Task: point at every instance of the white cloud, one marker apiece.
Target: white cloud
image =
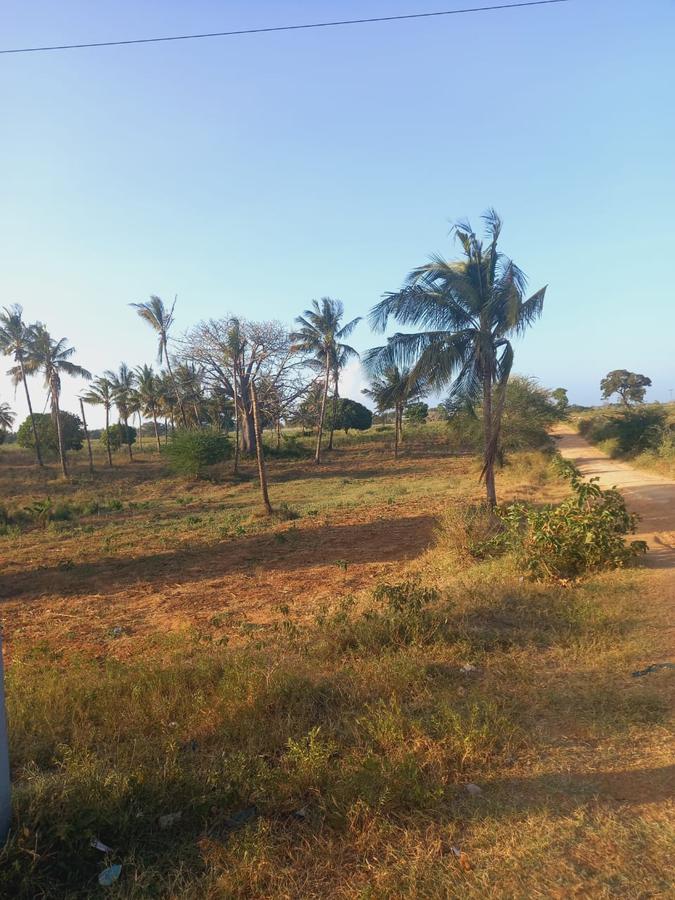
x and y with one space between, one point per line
352 381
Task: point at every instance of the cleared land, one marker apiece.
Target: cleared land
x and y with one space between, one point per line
313 694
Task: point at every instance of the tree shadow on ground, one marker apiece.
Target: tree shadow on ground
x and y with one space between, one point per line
381 540
633 786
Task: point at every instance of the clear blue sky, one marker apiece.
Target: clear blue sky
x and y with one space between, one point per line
252 174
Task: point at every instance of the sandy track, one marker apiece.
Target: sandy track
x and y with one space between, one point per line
650 495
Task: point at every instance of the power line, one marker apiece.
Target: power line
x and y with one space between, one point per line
215 34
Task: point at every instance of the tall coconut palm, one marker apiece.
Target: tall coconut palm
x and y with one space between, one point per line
321 336
469 310
100 393
87 436
136 409
6 417
148 390
235 345
160 319
122 385
14 341
392 388
53 359
341 356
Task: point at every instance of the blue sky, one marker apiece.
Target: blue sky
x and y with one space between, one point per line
252 174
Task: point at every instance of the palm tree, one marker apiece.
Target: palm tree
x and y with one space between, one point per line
167 402
160 319
87 436
100 393
190 390
136 409
148 390
320 335
6 417
53 359
392 388
341 356
122 386
234 347
469 309
14 340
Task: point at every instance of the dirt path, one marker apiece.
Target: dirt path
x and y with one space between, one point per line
650 495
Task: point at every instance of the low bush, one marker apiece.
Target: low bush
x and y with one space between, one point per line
628 432
118 436
71 432
529 413
583 534
470 530
291 447
193 452
398 615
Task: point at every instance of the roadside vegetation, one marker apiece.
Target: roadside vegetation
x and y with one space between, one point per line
642 433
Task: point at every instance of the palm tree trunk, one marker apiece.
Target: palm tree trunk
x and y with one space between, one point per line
38 451
488 442
86 434
175 386
260 454
107 431
128 436
397 414
317 454
59 434
154 422
334 412
166 431
236 421
140 430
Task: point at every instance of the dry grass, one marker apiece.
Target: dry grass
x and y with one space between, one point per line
191 657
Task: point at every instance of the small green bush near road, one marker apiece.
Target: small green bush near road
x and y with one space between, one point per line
628 432
192 452
583 534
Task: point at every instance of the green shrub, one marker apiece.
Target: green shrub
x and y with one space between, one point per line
71 432
470 530
350 414
118 435
628 432
417 412
583 534
192 452
529 413
665 444
399 614
291 447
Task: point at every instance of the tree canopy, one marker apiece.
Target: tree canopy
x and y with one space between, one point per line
630 386
351 414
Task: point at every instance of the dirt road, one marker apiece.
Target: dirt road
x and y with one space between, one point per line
651 496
